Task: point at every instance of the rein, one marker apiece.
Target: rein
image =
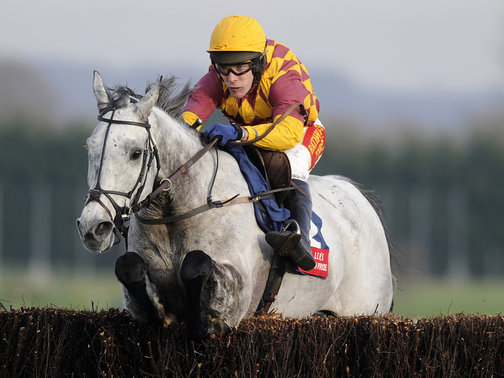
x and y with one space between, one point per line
167 183
122 213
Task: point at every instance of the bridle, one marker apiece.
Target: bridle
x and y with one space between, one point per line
149 153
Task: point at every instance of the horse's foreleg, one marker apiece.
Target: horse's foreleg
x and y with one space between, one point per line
195 272
131 271
214 294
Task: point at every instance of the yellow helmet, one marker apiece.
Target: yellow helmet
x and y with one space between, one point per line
238 34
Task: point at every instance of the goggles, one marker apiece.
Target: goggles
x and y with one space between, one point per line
237 69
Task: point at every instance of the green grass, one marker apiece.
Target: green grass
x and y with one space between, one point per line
63 288
436 297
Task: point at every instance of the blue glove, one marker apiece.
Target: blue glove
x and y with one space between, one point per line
226 132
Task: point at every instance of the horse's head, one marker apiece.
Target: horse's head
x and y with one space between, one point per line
122 163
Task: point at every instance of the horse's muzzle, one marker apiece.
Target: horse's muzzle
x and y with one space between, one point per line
96 233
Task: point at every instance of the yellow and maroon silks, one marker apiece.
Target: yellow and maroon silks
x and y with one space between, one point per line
285 81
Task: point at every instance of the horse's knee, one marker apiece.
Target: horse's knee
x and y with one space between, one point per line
130 269
197 265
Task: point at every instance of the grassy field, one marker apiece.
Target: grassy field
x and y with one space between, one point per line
63 288
436 297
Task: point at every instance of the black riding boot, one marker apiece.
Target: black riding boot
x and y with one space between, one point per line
294 242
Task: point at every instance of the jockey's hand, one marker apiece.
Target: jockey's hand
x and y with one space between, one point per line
227 133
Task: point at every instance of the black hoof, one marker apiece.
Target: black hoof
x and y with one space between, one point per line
324 314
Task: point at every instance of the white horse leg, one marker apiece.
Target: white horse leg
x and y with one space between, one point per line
139 294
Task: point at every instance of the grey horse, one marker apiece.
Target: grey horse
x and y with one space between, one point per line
210 269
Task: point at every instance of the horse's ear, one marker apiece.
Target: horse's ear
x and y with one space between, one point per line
100 91
148 101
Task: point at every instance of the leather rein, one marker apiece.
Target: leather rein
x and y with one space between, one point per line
150 152
166 184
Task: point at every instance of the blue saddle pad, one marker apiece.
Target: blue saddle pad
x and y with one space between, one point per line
269 216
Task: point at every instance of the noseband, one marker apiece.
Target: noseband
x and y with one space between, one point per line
150 152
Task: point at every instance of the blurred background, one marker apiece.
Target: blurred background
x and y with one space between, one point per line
411 95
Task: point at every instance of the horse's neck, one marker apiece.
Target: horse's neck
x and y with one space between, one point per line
176 145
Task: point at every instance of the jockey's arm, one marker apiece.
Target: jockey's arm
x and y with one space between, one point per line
204 99
285 135
286 89
192 120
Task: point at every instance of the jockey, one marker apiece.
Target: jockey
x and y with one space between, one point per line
254 81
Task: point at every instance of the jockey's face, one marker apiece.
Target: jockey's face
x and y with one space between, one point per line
238 85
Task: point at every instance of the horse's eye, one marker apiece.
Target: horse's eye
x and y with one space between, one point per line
136 154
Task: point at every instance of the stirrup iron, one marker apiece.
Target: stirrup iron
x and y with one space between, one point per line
293 226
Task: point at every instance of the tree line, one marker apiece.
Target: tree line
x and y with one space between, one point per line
441 193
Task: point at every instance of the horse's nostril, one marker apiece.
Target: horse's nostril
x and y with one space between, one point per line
103 228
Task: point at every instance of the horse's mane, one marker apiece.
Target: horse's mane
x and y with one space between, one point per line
172 96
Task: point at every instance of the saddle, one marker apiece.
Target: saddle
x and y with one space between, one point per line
275 168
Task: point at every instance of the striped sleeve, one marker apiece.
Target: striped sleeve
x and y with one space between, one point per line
285 135
207 95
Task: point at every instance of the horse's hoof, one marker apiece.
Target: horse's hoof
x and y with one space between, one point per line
217 326
324 314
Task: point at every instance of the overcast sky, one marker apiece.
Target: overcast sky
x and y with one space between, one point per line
400 45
